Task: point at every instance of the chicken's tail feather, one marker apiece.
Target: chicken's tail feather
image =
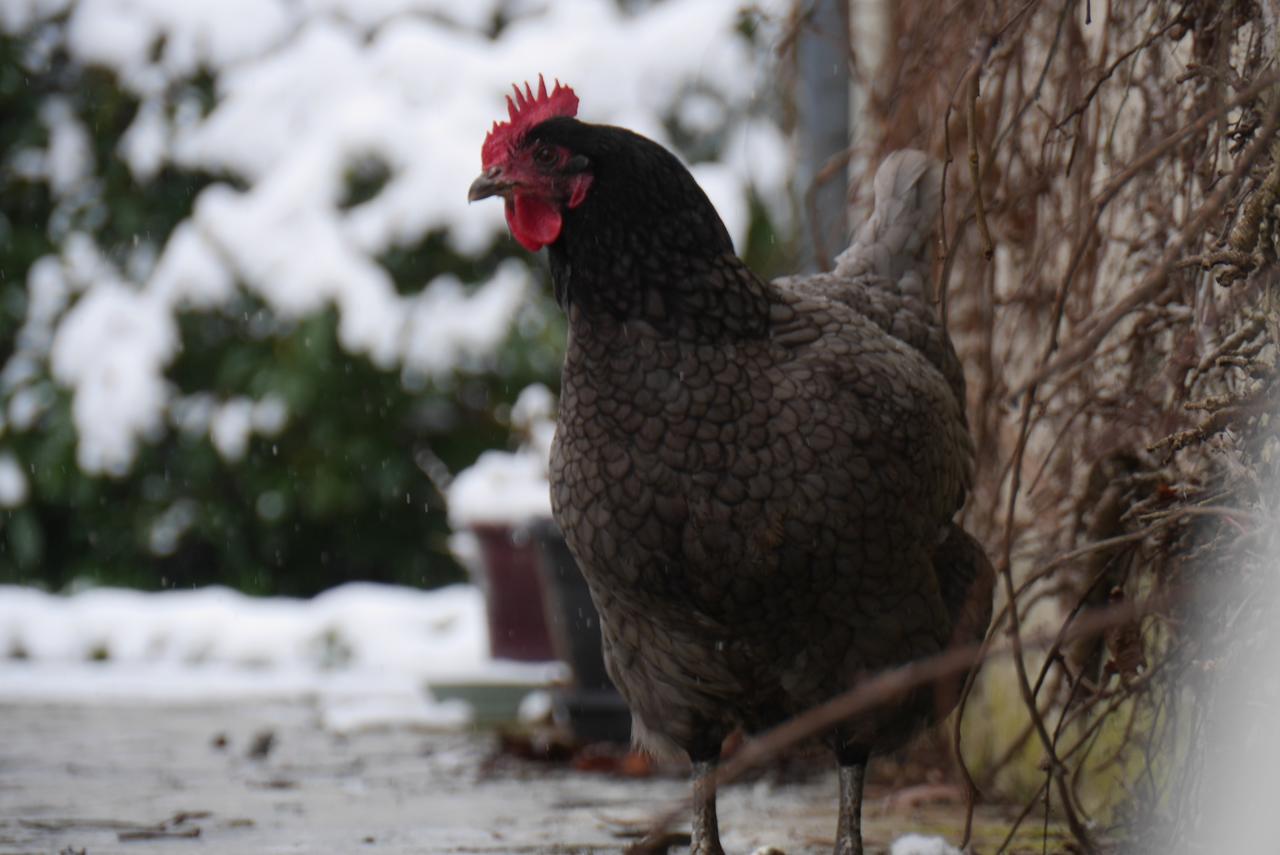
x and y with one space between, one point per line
894 242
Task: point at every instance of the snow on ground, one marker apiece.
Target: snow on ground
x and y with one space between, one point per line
305 94
367 653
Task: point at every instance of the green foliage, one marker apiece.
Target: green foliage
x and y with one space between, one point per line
334 496
25 206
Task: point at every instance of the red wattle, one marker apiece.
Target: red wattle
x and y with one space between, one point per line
533 222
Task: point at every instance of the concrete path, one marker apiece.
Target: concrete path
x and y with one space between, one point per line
131 779
261 777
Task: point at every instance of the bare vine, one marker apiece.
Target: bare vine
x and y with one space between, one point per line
1108 273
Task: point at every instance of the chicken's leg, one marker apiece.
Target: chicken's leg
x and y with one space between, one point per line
853 769
706 831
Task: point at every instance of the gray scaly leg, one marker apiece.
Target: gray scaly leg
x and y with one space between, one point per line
706 831
853 771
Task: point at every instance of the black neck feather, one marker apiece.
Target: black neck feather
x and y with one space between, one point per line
646 243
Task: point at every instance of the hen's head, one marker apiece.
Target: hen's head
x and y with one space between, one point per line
538 179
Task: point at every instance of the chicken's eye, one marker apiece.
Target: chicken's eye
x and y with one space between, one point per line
544 155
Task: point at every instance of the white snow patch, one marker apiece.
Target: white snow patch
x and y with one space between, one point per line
534 405
269 415
536 707
191 414
111 349
111 35
168 527
47 295
702 114
473 14
145 145
291 104
69 158
367 653
122 34
725 192
190 273
509 488
758 150
393 706
13 482
28 404
534 416
230 427
19 15
919 844
500 487
446 324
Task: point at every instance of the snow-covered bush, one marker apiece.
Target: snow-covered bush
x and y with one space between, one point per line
245 312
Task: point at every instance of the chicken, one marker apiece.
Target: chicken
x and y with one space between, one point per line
757 479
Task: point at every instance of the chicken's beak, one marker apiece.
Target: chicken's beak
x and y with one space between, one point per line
490 183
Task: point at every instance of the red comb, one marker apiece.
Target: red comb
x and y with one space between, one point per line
526 111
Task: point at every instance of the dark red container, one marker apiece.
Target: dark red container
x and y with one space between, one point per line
513 594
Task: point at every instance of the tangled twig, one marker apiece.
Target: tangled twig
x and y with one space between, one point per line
1125 179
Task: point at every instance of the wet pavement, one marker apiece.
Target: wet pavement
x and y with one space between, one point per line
266 777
